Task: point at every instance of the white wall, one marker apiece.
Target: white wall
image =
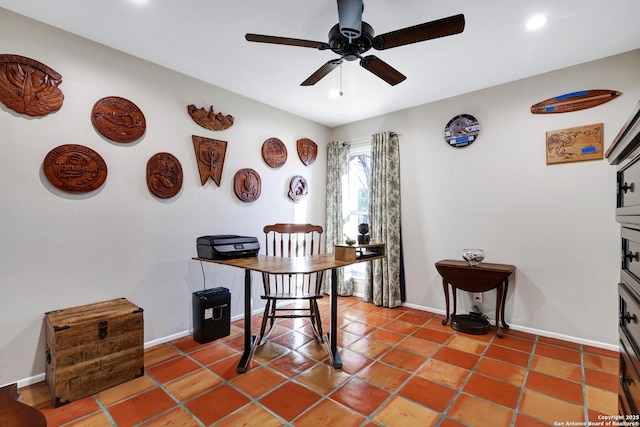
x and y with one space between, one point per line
555 223
60 250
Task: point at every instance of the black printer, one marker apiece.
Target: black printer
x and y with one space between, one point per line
227 246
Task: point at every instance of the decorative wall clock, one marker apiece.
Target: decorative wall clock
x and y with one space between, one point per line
274 152
209 119
247 185
462 130
210 157
75 168
298 188
307 150
164 175
28 86
118 119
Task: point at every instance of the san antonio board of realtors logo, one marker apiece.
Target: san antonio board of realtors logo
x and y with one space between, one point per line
75 168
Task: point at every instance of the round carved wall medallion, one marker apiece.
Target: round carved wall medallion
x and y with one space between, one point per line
75 168
274 152
247 185
298 188
118 119
164 175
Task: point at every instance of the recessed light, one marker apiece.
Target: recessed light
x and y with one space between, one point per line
139 2
536 22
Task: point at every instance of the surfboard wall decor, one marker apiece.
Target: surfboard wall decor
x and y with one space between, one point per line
574 101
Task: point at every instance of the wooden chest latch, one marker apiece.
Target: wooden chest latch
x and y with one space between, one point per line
103 329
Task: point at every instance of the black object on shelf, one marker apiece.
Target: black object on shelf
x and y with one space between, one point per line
211 314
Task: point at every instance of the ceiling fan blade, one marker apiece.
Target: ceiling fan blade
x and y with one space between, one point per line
383 70
321 72
285 41
418 33
350 18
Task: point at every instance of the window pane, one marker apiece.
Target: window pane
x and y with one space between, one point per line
358 192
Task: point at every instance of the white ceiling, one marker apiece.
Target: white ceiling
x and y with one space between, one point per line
205 39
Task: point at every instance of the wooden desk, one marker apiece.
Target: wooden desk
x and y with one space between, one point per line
287 265
479 278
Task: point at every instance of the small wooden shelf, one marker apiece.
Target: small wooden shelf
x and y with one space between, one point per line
358 253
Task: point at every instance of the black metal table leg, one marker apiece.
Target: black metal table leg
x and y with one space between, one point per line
249 338
333 334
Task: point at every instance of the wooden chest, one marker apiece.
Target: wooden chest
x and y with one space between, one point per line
93 347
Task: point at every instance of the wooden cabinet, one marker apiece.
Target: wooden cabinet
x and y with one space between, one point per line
624 153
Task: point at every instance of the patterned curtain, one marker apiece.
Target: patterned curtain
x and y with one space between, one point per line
337 174
384 282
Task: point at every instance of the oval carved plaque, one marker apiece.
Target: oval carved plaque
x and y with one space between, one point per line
274 152
118 119
164 175
75 168
247 185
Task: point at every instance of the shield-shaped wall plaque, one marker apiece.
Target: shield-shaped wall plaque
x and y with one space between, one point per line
307 150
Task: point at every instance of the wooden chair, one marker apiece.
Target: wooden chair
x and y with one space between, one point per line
291 240
14 413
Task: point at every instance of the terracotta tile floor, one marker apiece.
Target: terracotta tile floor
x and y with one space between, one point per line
402 367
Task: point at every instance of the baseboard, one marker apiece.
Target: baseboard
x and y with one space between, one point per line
534 331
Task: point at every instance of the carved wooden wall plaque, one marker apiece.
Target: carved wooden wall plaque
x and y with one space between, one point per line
575 144
307 150
75 168
274 152
28 86
247 185
164 175
118 119
210 157
298 188
209 119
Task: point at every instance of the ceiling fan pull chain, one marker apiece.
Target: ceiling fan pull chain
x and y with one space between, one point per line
341 79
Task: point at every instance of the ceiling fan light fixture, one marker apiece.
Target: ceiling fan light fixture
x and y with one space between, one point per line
536 22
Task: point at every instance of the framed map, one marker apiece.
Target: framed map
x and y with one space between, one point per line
575 144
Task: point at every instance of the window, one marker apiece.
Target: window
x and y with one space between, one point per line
357 199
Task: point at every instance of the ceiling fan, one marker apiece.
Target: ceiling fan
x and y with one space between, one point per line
352 37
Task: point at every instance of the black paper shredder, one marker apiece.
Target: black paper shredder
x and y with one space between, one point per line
211 314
